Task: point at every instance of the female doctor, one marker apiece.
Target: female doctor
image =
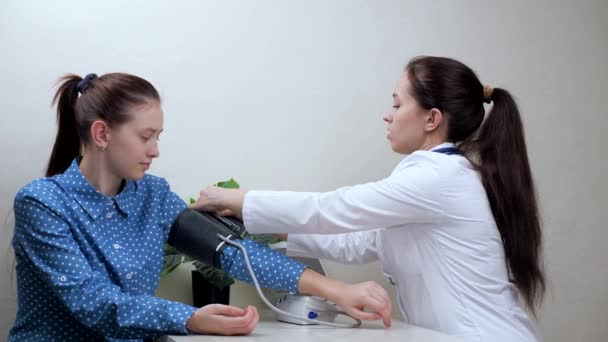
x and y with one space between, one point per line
455 225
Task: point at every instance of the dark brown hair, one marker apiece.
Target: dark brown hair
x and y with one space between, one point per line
497 148
106 98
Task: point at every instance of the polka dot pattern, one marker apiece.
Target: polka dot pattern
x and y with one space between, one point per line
88 265
272 269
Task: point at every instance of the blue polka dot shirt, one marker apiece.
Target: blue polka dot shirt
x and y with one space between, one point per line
88 265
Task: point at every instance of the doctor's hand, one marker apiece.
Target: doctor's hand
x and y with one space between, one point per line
220 200
221 319
354 298
351 298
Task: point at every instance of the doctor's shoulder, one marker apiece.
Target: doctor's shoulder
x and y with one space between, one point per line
420 169
429 172
444 165
421 160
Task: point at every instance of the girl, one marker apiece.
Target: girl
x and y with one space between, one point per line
89 236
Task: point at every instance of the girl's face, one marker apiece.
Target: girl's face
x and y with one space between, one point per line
406 120
132 146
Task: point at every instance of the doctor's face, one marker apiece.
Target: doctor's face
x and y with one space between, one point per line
405 120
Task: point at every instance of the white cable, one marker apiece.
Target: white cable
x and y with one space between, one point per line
274 308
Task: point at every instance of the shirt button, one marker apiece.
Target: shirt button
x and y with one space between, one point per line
110 202
116 246
129 275
109 215
62 278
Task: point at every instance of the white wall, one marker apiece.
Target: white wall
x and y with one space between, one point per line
289 95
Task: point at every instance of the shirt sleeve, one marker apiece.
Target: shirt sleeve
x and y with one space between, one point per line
44 239
409 196
171 205
272 269
351 248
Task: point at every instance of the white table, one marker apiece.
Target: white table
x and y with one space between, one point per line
271 330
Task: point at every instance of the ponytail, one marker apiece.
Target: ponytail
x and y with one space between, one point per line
108 98
67 142
497 148
507 179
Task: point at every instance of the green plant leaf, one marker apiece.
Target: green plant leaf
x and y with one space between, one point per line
172 259
168 269
264 239
170 263
215 276
229 184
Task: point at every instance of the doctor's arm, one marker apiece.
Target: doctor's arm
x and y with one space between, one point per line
277 271
350 248
408 196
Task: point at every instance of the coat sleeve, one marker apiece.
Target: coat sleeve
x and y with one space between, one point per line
351 248
408 196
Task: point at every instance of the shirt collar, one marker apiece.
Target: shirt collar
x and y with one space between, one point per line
406 158
443 145
91 200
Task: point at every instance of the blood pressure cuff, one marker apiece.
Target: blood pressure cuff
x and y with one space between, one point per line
195 234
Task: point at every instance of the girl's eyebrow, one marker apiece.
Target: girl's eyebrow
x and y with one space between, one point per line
154 130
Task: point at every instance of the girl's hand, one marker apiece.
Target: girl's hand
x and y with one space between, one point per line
221 319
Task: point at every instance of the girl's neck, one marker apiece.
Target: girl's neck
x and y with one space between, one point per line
95 169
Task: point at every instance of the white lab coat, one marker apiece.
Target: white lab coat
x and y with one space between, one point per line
430 225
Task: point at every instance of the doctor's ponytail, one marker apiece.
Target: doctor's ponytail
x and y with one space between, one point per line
497 148
502 155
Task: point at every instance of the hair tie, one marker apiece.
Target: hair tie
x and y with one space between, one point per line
487 93
84 83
